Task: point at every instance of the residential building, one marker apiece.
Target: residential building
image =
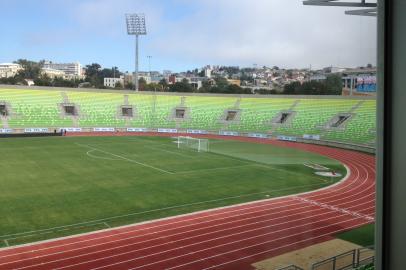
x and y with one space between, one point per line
234 81
167 73
208 72
8 70
112 82
53 73
70 69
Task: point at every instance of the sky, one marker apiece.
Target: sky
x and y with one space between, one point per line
186 34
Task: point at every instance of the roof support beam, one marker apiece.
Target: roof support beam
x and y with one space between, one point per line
337 3
363 12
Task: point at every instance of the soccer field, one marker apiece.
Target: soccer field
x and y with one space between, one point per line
58 186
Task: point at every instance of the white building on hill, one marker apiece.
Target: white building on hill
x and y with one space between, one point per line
70 69
112 82
53 73
8 70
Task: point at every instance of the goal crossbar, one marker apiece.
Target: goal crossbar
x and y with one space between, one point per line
187 142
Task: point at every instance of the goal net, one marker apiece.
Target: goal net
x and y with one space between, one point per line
200 145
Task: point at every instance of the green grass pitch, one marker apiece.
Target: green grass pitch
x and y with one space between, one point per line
363 236
58 186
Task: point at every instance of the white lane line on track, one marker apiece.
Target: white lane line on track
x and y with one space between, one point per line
179 227
187 238
182 239
334 208
360 186
127 159
165 236
233 242
338 190
274 249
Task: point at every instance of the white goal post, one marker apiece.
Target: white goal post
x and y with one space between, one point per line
185 142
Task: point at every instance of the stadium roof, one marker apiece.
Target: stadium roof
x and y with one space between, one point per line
369 8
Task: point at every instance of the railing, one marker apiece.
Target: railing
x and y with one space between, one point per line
343 261
365 256
347 260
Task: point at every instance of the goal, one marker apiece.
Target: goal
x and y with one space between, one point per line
201 145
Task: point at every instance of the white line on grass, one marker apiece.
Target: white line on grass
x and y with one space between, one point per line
97 221
93 156
57 229
127 159
215 169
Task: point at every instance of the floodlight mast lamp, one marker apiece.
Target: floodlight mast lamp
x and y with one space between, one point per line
136 26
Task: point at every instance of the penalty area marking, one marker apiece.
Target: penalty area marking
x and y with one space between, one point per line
215 169
124 158
94 156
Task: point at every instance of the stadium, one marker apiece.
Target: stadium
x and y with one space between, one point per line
99 179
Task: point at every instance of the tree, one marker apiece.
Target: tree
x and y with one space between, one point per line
292 88
246 77
92 70
43 80
118 85
201 73
129 85
182 86
153 87
141 84
205 88
334 84
30 69
93 75
109 73
331 86
221 82
164 84
235 89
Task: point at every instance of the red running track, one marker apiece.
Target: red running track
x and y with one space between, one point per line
225 238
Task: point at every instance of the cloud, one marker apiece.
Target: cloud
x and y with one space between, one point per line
106 17
266 32
184 34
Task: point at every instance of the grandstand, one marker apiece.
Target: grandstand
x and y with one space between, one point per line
310 116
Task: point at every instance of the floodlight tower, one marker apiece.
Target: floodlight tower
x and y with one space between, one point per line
136 26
